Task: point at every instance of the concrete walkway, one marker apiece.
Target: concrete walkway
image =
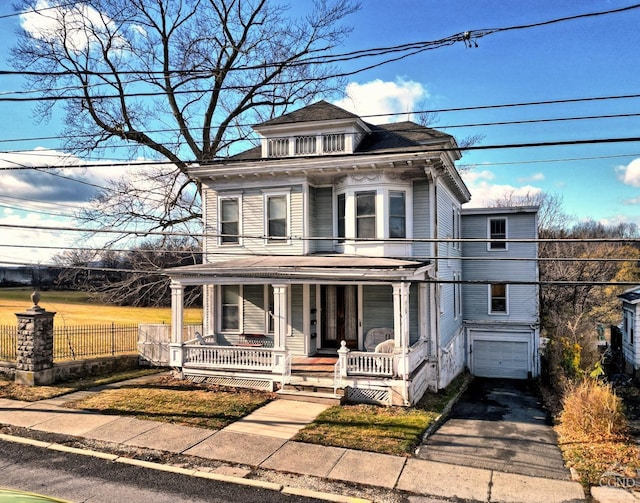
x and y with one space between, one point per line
262 440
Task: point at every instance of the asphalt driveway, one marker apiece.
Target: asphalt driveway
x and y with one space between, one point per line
498 424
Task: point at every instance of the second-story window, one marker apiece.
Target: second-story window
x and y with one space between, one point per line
397 215
497 228
498 298
277 217
229 220
305 145
366 214
342 208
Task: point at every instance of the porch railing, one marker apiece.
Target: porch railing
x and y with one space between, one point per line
228 357
371 364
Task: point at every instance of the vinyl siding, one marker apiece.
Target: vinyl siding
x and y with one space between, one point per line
377 304
448 264
252 226
421 218
295 340
523 299
253 309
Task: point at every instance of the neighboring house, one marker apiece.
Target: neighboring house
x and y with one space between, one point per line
500 294
630 323
342 238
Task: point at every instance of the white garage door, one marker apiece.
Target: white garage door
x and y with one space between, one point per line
507 359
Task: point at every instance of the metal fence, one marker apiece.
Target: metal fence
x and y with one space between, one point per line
78 341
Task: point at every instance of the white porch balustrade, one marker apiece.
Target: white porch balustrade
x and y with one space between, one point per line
370 364
230 357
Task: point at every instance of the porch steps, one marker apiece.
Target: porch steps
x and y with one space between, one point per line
310 394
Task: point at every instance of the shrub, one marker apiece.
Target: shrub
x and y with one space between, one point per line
593 431
592 411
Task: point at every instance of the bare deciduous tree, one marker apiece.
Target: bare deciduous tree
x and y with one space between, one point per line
175 80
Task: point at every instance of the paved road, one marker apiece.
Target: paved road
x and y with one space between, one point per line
498 425
80 478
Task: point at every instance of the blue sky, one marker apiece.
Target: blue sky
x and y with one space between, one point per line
583 58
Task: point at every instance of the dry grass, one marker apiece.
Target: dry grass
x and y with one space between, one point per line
174 401
387 430
77 308
592 432
13 391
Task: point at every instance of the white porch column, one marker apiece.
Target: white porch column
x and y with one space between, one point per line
280 314
209 310
401 315
177 322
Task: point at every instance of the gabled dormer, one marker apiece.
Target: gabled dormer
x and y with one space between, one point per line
318 129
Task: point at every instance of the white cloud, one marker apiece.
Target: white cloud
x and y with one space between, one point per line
380 97
630 174
536 177
484 192
632 201
83 25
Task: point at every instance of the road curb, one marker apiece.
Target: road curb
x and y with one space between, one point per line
271 486
437 422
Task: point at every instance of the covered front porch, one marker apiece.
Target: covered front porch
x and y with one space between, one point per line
266 318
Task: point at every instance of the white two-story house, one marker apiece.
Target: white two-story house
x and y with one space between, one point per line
341 239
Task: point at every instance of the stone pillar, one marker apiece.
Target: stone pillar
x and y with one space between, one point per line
34 365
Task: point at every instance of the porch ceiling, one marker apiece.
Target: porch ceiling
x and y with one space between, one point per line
310 268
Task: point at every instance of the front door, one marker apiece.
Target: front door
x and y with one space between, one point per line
339 316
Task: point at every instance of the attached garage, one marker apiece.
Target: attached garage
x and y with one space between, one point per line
504 355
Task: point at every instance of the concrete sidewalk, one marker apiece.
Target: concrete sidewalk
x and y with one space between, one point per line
262 440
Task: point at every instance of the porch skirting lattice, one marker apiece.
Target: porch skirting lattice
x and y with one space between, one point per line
376 396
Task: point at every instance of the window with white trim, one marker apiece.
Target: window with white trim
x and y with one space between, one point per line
455 217
497 229
397 214
230 308
366 214
276 217
341 210
498 298
457 294
229 220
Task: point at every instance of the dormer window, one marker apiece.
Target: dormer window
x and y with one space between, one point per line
333 143
278 147
305 145
310 144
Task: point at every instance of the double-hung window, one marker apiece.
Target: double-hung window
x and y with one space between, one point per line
277 217
498 298
230 306
229 220
497 230
366 214
397 215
